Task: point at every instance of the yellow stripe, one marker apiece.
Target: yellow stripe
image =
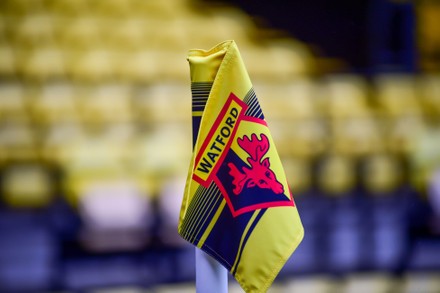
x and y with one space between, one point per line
249 224
197 113
211 224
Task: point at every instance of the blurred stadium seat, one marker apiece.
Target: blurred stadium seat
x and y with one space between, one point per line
116 216
28 250
95 272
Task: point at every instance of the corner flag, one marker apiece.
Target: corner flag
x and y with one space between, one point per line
237 205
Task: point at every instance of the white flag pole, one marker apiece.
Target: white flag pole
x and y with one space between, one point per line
211 276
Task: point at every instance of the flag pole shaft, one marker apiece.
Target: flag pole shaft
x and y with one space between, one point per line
211 276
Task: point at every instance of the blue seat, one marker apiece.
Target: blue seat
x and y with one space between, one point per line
100 271
425 255
347 227
397 218
390 233
308 257
28 252
305 259
168 265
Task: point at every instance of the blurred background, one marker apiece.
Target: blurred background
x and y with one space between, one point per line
95 139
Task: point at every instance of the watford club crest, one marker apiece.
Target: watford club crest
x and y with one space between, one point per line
241 160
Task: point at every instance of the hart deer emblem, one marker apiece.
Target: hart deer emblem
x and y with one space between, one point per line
259 173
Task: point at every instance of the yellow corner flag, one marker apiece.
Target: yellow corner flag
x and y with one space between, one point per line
237 205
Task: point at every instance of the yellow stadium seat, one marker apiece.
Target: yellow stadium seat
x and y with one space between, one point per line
204 30
166 102
173 36
396 94
280 61
156 155
128 35
288 59
12 102
301 99
282 136
4 30
344 96
20 7
34 31
309 138
402 133
44 64
55 103
424 157
275 100
8 57
18 142
93 66
106 103
96 158
336 175
298 173
113 8
171 66
139 67
163 9
357 136
67 7
381 174
36 192
289 100
84 32
429 87
57 140
428 35
231 23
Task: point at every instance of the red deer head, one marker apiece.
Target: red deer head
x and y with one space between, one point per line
259 174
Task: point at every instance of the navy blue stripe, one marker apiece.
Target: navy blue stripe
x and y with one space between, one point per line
192 208
200 93
248 234
253 103
254 109
201 206
207 206
196 125
208 218
248 95
224 240
204 207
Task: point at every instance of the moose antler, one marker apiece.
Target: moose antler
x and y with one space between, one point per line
255 147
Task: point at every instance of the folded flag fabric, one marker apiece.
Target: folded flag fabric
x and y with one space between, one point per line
237 205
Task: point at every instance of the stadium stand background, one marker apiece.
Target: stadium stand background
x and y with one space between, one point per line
95 139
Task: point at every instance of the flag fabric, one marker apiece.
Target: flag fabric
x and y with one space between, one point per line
237 205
